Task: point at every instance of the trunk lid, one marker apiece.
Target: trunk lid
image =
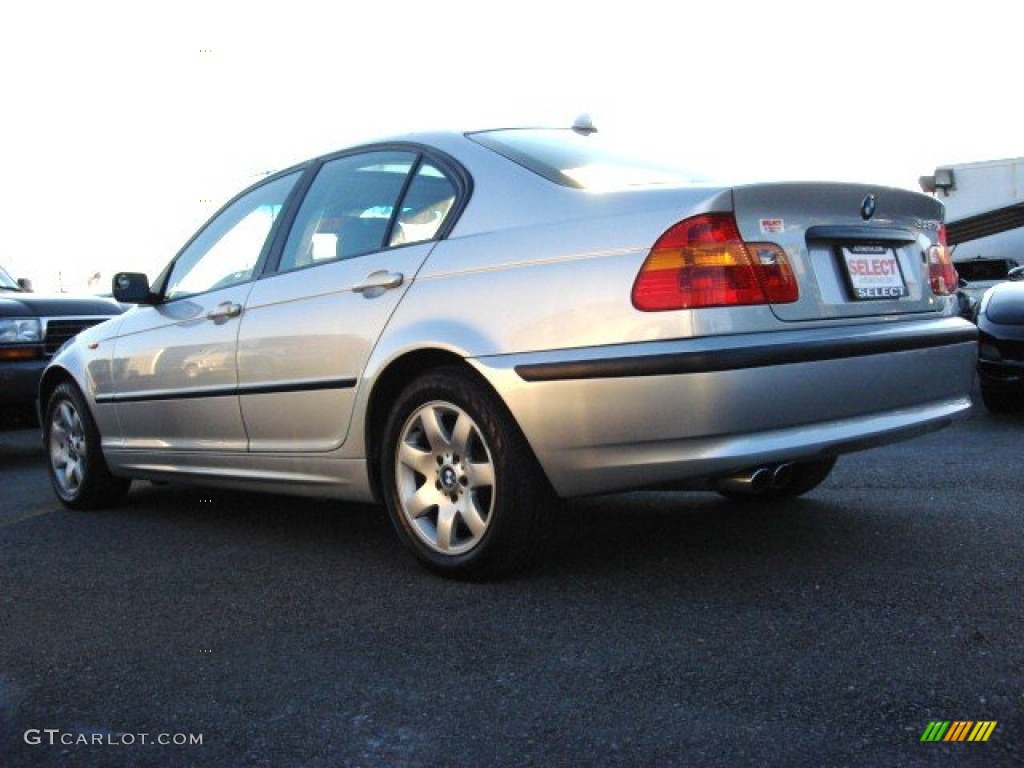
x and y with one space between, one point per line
857 250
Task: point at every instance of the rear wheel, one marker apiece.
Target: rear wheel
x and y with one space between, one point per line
462 487
78 471
799 478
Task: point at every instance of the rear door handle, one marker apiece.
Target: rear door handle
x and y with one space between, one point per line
224 312
377 282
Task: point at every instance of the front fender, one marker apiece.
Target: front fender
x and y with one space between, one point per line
87 360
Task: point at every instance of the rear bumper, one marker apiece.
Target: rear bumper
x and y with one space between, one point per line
630 416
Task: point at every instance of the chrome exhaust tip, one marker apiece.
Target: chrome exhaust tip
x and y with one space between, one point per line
782 475
751 482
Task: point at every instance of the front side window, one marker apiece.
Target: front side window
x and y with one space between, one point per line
348 209
226 252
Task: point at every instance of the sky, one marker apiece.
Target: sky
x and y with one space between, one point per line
125 125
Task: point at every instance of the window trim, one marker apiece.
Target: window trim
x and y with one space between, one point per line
276 254
452 169
270 257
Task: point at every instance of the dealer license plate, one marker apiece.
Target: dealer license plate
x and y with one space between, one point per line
874 272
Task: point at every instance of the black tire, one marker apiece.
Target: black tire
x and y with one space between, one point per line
78 472
1000 401
805 476
462 487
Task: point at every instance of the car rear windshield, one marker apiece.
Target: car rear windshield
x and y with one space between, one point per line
580 160
982 269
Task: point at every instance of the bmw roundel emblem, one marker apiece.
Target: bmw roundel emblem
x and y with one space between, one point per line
867 207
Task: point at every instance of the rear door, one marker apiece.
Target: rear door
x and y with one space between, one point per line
858 251
360 236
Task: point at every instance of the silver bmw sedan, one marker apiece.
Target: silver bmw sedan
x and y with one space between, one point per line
469 326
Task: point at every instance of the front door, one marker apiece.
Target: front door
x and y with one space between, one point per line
175 373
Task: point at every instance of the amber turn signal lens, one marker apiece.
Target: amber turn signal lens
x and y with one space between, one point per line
19 353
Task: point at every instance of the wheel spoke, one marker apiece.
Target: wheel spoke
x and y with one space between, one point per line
446 519
472 518
421 501
58 432
76 424
415 459
433 429
58 448
480 475
63 417
461 434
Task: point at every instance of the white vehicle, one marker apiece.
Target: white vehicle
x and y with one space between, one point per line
984 219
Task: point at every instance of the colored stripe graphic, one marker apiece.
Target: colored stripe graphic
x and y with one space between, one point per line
959 730
982 730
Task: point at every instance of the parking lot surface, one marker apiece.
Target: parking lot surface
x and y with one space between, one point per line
658 629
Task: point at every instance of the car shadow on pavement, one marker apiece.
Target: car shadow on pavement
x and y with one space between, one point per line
258 525
697 532
680 532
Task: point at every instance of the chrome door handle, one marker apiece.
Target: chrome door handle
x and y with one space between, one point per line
380 280
224 311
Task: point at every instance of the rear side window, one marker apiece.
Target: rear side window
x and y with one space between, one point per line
348 209
425 206
582 161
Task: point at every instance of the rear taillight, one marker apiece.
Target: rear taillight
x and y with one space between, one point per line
703 262
941 271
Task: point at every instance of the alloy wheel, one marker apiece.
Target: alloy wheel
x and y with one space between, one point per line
445 478
68 448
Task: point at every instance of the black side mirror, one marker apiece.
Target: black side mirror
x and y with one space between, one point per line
25 284
961 283
132 288
1017 273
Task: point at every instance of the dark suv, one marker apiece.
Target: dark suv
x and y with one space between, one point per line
32 328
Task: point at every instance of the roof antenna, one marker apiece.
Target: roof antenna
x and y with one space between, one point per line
584 125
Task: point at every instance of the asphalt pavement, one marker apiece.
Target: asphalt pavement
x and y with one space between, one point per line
191 627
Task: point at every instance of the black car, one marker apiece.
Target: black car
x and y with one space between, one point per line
32 328
979 274
1000 321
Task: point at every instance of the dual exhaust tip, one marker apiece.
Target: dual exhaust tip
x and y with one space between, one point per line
755 481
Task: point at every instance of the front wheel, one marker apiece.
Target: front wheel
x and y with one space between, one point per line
462 487
78 471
